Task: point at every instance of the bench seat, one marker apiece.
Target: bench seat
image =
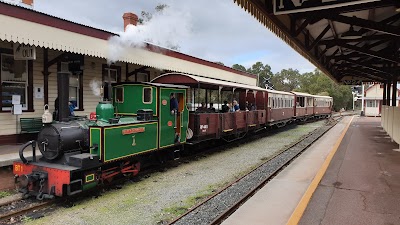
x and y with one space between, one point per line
30 125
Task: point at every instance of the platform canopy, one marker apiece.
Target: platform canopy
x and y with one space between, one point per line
201 82
352 41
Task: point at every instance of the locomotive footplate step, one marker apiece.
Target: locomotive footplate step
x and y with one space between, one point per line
84 160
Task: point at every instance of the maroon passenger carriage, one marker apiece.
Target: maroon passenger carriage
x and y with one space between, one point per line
304 107
322 106
259 108
312 106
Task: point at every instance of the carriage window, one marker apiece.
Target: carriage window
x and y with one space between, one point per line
147 95
119 94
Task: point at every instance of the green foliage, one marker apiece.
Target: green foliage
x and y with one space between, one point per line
147 16
317 83
263 72
286 80
182 207
239 67
4 194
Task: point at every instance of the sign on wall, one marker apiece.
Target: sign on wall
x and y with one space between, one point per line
294 6
24 52
39 92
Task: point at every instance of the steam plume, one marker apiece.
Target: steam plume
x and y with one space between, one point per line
95 86
166 28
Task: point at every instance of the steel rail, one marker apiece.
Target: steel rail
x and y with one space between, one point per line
23 211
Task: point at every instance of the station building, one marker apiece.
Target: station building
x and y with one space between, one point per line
373 99
35 46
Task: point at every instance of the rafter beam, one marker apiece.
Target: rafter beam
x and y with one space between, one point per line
369 66
320 36
372 78
356 40
361 73
371 25
371 53
350 8
367 73
301 28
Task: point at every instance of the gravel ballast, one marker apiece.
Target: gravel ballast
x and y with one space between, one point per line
165 195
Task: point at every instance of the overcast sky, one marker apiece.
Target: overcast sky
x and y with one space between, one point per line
219 30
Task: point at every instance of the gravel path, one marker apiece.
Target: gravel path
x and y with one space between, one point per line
165 195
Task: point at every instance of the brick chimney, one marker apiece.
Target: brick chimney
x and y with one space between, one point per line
28 2
130 18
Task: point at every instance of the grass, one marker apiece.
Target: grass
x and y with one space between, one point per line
182 207
26 219
4 194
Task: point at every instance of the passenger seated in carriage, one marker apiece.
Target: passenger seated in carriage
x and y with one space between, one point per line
225 107
235 106
211 109
202 108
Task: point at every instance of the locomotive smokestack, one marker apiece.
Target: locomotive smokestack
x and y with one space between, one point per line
130 18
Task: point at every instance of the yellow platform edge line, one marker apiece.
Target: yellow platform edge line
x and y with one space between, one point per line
301 207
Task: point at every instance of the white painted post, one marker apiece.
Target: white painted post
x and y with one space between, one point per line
362 99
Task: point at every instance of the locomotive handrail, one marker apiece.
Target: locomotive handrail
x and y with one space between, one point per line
22 148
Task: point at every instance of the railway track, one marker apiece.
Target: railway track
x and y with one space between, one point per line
219 206
26 208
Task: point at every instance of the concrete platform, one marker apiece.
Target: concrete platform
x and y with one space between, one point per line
362 184
9 154
275 203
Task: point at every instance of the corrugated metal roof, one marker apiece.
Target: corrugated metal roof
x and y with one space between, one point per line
205 80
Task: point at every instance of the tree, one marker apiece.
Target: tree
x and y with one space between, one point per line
147 16
263 72
317 83
220 63
286 80
239 67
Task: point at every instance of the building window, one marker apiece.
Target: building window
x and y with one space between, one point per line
142 77
371 104
75 85
14 81
111 75
74 90
119 94
147 96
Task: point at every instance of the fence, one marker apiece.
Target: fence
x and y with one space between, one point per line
391 122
